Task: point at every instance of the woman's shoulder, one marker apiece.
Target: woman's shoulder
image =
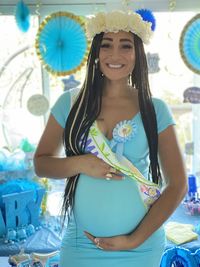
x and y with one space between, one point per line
160 104
163 113
63 104
68 97
158 101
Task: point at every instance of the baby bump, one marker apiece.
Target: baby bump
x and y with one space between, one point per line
106 208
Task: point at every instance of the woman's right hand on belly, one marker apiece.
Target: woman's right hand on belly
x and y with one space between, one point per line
93 166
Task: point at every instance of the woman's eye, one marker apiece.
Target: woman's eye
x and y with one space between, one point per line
105 45
127 46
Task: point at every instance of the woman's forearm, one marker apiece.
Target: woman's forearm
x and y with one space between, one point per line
57 168
158 213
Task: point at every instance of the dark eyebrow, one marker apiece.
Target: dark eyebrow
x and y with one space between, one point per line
121 40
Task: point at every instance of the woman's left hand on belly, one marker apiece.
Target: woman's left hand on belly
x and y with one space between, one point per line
121 242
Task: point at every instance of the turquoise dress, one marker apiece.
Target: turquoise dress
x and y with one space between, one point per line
108 208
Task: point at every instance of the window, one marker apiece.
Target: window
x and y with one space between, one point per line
20 78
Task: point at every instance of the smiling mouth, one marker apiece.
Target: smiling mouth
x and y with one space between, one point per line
115 66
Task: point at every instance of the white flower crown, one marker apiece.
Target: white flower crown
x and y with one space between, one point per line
115 21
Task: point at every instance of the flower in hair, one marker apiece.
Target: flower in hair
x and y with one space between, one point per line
142 23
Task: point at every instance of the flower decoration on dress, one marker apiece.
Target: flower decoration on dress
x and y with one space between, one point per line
124 131
151 192
141 22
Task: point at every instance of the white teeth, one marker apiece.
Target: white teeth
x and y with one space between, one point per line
115 66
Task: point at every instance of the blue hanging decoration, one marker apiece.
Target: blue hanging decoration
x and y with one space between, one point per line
22 16
147 15
61 43
189 44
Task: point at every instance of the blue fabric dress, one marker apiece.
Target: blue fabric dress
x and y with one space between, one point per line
108 208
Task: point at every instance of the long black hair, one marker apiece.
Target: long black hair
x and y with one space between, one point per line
87 107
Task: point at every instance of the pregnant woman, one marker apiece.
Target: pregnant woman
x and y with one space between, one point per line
124 169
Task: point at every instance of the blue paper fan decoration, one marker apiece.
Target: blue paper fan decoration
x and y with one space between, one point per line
190 44
22 16
61 43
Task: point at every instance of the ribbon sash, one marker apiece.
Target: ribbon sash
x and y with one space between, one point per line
149 191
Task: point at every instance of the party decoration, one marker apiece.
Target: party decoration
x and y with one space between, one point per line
38 105
20 202
35 259
12 161
189 44
192 206
22 208
197 256
192 94
153 62
189 148
2 225
61 43
180 233
192 200
20 260
18 164
46 260
172 5
147 15
22 16
70 83
178 256
124 131
192 185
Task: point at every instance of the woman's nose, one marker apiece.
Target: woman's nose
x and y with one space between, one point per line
115 52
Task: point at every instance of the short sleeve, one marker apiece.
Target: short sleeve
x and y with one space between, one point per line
163 114
60 110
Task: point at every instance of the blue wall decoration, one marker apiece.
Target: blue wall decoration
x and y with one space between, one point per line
192 94
189 44
22 16
61 43
153 62
70 83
